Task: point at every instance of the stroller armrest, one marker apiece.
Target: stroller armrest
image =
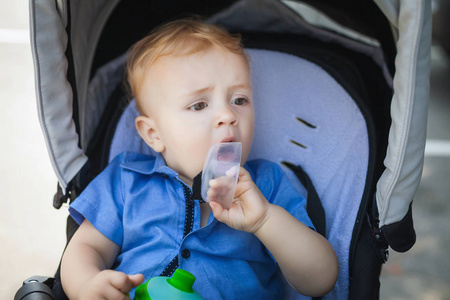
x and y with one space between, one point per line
36 288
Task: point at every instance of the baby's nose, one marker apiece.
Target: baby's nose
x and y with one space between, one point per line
226 116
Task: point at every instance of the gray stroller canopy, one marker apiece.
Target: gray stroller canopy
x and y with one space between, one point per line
411 27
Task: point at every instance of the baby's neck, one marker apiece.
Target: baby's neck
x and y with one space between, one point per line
205 211
186 180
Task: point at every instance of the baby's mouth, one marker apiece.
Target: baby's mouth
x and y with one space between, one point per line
228 140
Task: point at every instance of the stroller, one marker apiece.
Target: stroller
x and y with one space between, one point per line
350 80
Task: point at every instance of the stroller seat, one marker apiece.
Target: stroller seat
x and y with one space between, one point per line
305 117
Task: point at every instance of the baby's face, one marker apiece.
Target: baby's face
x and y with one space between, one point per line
196 101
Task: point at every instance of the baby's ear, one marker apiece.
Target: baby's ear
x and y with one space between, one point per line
149 133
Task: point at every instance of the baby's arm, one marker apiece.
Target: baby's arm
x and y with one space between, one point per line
84 267
306 259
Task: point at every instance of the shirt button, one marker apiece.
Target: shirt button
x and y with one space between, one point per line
185 253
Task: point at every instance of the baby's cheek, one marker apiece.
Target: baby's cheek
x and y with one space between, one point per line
194 165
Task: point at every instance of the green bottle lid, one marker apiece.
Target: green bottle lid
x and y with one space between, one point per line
182 280
178 287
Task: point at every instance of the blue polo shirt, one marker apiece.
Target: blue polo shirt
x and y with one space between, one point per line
140 204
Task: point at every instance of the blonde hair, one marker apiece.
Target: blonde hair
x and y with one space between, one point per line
177 38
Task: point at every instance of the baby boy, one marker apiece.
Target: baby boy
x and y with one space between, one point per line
192 86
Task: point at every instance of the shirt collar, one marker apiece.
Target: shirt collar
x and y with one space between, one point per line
149 166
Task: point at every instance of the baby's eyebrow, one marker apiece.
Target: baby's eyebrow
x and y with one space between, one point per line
198 91
241 86
210 88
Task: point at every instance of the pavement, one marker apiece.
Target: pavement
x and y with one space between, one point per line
32 233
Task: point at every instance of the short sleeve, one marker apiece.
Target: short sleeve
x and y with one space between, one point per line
101 203
276 187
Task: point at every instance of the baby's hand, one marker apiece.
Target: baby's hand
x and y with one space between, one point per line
249 208
109 284
221 191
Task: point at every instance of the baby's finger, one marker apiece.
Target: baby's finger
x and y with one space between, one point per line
244 174
211 194
232 171
121 281
112 293
219 213
219 191
136 279
213 182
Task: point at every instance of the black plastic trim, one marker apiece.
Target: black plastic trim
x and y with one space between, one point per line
401 235
35 288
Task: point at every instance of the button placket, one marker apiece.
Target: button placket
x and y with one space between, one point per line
188 226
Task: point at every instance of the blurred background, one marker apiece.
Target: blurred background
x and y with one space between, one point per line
32 232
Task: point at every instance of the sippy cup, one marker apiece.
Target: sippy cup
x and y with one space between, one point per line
177 287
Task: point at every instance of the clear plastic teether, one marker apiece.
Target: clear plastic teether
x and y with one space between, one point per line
222 164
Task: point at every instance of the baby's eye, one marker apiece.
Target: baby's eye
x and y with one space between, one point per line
239 101
198 106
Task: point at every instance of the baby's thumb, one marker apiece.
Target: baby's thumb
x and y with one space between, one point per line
219 213
136 279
